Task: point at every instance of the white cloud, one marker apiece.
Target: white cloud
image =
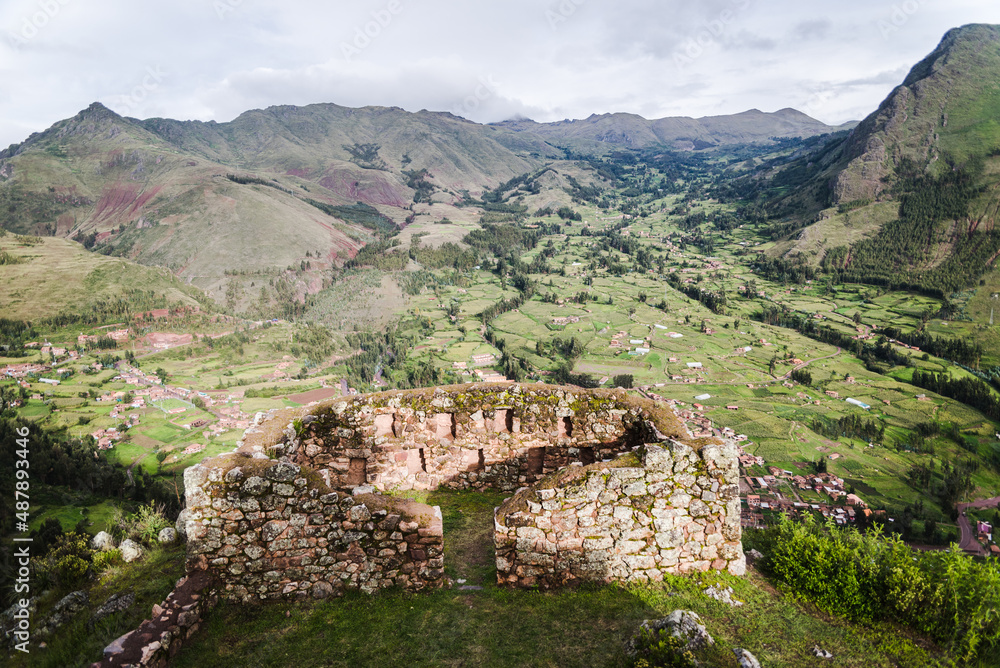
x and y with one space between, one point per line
545 59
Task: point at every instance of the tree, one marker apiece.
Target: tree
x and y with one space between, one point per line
624 380
162 374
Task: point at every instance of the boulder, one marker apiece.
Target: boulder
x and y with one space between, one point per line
753 556
115 603
682 624
181 524
745 658
130 550
167 536
102 542
64 610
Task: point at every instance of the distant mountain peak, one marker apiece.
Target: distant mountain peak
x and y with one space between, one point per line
97 111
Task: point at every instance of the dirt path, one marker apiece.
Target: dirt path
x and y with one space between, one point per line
967 537
128 471
808 362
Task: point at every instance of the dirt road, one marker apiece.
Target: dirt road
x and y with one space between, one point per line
967 537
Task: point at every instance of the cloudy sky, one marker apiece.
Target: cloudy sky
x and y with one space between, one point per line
486 60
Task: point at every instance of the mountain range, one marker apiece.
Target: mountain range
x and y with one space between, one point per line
288 187
207 199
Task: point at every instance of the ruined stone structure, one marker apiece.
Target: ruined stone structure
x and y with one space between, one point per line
501 436
268 529
667 508
291 513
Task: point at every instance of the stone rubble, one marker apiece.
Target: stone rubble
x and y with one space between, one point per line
723 595
160 638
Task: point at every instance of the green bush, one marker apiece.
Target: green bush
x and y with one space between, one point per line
66 564
870 577
143 525
107 559
661 650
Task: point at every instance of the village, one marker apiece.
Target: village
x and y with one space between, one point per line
142 391
777 491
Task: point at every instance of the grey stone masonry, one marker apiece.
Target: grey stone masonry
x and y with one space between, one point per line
267 529
666 508
500 436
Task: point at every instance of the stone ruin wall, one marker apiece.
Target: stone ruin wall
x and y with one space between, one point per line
288 514
667 508
476 436
268 529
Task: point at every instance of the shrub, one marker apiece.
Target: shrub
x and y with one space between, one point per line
66 564
661 650
143 525
107 559
871 577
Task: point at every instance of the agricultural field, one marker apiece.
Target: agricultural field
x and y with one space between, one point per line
645 291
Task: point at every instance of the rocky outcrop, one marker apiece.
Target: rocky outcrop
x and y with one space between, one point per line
684 625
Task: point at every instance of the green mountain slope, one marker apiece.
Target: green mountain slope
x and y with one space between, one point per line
909 198
284 194
947 108
41 277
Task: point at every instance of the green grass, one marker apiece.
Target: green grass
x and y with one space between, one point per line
78 644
